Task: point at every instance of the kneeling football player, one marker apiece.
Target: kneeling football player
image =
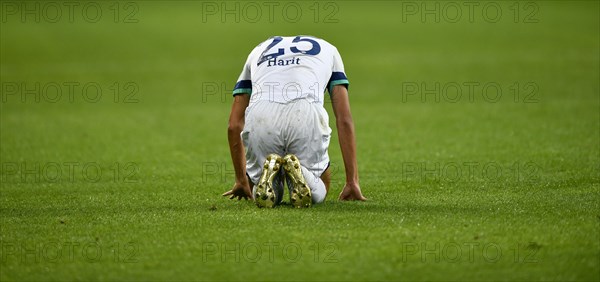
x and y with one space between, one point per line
278 128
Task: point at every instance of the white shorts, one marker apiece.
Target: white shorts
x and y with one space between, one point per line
298 127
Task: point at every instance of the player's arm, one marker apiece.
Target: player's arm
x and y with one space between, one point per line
345 128
241 188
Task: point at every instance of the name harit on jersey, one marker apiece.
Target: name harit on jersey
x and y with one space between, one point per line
280 62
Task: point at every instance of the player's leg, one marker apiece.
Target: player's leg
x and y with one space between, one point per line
309 140
304 186
262 137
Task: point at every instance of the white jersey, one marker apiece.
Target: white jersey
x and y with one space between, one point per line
284 69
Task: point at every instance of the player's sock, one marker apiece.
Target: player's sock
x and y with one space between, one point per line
317 187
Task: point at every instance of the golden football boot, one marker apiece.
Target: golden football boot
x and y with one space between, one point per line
300 195
264 195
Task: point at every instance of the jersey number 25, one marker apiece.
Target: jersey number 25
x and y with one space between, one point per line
316 49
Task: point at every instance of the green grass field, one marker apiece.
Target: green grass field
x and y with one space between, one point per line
478 143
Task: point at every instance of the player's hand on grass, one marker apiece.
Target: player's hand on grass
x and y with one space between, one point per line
351 192
240 191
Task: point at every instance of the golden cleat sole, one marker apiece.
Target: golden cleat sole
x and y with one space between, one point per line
301 196
264 196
